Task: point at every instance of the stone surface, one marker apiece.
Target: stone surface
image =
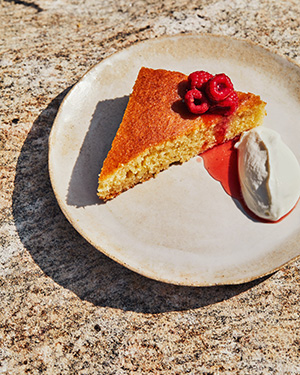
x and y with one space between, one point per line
64 307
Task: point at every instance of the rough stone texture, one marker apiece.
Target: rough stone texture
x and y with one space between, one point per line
64 307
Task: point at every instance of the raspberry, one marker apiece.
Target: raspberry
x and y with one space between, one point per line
219 87
227 106
196 101
198 79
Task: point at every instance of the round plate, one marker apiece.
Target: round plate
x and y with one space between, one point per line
180 227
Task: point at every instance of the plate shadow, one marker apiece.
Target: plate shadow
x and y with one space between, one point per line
69 260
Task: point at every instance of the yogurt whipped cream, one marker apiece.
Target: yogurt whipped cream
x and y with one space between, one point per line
269 173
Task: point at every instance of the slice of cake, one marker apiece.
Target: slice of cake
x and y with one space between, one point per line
158 129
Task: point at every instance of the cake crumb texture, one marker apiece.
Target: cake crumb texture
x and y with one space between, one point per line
157 130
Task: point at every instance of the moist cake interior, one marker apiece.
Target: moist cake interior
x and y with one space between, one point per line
157 130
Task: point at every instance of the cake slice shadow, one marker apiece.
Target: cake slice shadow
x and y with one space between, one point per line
82 190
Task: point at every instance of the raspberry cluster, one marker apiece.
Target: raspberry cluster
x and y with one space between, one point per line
212 94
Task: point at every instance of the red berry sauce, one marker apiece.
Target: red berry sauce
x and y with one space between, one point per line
221 163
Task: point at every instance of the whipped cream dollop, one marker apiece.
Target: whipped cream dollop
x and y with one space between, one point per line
269 173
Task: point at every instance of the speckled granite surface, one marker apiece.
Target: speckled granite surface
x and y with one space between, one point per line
64 307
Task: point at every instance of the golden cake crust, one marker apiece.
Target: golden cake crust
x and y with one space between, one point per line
156 115
158 94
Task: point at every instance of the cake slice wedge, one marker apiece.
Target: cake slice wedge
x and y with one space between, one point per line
157 130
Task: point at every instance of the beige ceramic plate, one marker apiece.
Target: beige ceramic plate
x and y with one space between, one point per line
180 227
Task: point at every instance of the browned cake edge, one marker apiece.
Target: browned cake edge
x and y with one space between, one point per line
153 159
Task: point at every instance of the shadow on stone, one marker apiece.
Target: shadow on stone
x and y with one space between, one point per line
30 4
67 258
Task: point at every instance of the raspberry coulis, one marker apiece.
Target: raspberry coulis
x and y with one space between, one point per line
221 162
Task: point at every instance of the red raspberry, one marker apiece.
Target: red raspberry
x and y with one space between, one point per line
198 79
196 102
227 106
219 87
